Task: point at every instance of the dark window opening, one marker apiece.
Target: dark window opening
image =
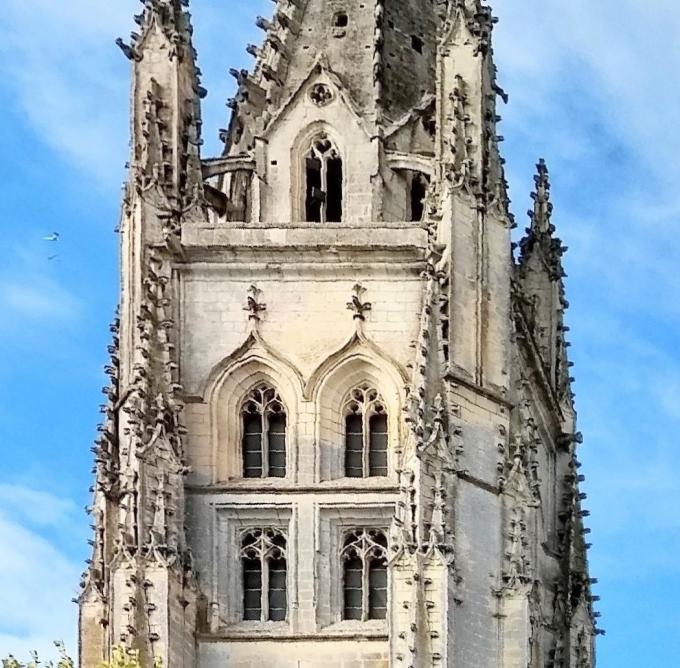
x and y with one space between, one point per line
354 446
277 446
334 199
252 445
417 43
377 454
252 590
366 434
315 195
263 414
278 595
419 185
265 575
377 590
354 590
324 183
365 575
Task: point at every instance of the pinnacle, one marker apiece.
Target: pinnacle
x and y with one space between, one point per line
543 208
168 15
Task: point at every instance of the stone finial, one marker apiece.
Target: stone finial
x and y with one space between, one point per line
255 306
543 208
358 305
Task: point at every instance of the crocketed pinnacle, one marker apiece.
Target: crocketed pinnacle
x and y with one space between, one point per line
543 208
540 233
168 15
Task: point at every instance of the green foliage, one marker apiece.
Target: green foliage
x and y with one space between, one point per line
65 661
121 657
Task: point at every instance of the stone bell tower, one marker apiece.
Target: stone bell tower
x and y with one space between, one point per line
339 430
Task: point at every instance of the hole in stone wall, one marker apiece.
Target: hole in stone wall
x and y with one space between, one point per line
419 185
340 20
417 43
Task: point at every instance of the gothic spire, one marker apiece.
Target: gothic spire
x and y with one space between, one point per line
166 107
540 234
541 275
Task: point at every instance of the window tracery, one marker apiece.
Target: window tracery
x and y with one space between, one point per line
323 182
265 573
366 434
364 555
264 434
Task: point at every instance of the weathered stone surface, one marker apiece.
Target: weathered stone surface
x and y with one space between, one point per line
348 256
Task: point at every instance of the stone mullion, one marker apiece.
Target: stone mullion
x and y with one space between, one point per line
365 451
264 615
264 443
365 584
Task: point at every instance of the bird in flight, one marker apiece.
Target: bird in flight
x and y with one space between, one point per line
52 237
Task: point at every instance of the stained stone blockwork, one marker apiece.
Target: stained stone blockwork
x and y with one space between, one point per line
339 431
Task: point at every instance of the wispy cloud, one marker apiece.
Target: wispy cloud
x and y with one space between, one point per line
41 299
70 82
31 292
37 579
60 64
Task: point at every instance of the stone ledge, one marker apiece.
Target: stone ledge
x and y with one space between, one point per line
305 235
334 487
258 635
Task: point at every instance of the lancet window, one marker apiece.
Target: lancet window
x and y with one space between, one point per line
265 574
264 434
364 555
323 182
419 186
366 434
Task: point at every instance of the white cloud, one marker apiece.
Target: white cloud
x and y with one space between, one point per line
37 299
37 507
37 579
32 290
60 60
70 82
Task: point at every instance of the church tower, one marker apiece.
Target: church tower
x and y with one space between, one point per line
339 431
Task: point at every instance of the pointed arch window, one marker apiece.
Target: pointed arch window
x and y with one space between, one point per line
364 555
366 434
419 185
264 434
265 575
323 182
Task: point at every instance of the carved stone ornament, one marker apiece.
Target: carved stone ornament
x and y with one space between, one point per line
358 305
321 95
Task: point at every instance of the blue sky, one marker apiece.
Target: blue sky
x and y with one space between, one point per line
593 89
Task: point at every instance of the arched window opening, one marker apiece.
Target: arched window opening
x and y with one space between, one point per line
364 554
265 575
366 434
324 182
419 185
264 434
